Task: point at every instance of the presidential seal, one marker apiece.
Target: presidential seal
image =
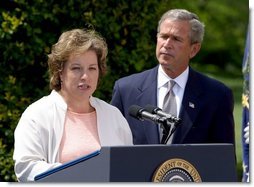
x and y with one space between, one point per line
176 170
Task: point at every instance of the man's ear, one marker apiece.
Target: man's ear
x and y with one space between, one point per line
194 49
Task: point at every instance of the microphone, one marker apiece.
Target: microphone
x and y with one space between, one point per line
172 119
158 111
141 114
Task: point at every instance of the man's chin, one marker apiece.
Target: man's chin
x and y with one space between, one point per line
166 64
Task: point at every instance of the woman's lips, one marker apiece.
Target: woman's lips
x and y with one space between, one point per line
83 86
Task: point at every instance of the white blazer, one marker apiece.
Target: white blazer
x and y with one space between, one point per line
40 128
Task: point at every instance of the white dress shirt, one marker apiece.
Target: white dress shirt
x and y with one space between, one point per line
178 89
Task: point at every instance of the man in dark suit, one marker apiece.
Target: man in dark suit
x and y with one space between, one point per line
204 105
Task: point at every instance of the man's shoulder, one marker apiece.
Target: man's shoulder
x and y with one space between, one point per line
209 81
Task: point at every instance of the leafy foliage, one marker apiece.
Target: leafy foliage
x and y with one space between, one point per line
30 27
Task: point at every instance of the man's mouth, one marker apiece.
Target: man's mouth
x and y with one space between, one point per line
167 54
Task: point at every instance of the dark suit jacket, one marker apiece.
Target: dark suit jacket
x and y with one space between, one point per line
206 111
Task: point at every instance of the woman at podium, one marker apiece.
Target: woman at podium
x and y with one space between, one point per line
69 122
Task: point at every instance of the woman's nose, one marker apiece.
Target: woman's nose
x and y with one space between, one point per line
84 75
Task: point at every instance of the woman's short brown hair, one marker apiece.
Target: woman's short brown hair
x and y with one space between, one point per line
76 41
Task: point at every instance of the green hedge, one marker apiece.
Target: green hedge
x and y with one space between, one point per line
29 28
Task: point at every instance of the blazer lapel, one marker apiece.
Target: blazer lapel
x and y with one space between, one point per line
148 89
190 106
148 95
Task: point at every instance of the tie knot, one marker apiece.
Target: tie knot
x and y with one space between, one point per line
171 84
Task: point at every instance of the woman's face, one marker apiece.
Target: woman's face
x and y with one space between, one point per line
80 76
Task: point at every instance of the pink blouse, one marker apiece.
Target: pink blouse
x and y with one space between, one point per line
80 136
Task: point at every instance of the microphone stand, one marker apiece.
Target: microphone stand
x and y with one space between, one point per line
166 126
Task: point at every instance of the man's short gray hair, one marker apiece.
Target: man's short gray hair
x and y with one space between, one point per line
197 27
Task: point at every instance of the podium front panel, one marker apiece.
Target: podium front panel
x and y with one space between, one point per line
146 163
214 163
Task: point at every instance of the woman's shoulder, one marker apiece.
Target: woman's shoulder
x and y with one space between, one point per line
45 103
97 102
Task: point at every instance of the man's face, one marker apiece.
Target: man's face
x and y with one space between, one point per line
174 48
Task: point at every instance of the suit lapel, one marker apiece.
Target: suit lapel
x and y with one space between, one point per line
190 106
148 95
148 89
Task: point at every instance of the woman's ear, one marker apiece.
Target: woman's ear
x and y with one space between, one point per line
61 72
61 76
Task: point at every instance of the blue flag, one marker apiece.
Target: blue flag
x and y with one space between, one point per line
245 112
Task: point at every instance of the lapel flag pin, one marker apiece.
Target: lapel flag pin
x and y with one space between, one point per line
191 105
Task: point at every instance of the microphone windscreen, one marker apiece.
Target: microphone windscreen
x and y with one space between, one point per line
150 108
134 111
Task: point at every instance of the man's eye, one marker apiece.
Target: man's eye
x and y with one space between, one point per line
177 38
164 37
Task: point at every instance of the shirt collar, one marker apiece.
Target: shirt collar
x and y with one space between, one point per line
181 80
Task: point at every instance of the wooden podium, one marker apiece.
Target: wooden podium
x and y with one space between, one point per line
150 163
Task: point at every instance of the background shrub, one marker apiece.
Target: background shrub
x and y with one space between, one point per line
29 28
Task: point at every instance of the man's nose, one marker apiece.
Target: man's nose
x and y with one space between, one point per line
168 42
